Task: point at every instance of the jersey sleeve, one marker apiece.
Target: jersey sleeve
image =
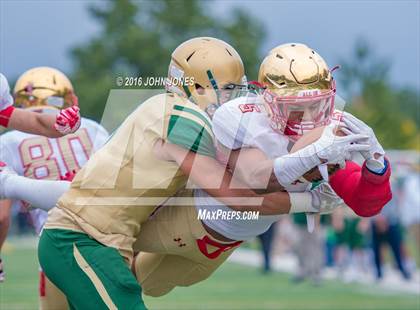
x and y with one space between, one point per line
98 133
101 137
228 126
191 129
364 192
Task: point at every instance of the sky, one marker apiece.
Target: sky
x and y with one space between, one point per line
35 33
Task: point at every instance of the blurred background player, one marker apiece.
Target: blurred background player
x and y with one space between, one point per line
46 91
266 244
351 234
64 122
308 250
387 228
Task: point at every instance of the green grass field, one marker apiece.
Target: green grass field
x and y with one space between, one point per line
232 287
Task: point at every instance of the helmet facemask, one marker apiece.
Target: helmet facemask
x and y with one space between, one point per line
213 98
27 98
299 89
294 116
44 88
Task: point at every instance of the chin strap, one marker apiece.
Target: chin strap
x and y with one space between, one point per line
214 85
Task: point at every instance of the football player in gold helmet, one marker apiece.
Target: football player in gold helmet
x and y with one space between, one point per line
299 89
65 122
46 91
188 250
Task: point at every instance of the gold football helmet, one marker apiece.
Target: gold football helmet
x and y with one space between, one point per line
299 89
202 68
44 87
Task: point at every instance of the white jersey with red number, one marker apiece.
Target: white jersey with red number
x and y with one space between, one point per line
39 157
244 122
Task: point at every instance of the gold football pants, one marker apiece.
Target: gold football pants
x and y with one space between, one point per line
176 250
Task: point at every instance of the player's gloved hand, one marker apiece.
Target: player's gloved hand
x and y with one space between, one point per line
334 149
324 198
375 155
2 273
321 199
329 148
69 176
5 173
68 121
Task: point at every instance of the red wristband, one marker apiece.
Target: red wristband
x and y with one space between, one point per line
5 116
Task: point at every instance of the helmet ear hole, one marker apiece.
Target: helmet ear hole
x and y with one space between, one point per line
199 89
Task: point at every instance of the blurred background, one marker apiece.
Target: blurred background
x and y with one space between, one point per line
361 263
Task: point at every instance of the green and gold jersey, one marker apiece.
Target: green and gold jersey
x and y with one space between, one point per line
124 181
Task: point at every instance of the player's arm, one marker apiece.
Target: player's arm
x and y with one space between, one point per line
217 181
213 177
43 194
286 169
254 168
53 126
189 142
364 189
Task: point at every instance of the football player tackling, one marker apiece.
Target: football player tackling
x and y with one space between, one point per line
252 131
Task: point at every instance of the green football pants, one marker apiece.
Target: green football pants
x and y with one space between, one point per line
91 275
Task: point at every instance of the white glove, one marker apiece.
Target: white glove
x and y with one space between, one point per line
6 99
356 126
324 198
329 148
